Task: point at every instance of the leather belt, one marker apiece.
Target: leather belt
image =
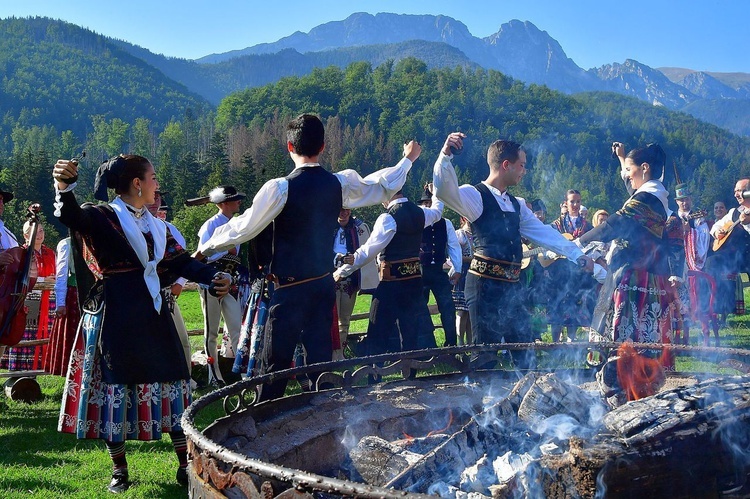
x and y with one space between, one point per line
285 282
400 270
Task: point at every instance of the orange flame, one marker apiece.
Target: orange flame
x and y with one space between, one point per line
639 376
433 432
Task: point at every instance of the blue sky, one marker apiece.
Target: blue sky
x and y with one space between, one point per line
701 35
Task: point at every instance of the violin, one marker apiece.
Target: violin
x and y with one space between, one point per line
17 279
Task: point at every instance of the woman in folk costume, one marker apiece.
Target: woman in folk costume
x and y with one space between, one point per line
41 306
634 303
127 377
67 313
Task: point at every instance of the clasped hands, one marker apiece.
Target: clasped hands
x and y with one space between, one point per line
219 286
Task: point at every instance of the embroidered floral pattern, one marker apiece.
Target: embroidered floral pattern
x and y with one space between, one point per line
504 271
92 408
644 215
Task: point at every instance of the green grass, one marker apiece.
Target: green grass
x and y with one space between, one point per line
37 461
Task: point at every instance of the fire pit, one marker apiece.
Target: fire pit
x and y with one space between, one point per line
474 432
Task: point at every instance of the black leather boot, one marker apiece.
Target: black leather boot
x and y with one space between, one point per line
119 483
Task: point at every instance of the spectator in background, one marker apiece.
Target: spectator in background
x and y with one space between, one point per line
350 235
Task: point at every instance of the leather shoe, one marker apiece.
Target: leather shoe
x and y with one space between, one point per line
182 476
216 383
119 483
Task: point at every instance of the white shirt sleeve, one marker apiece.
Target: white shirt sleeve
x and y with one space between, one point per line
181 241
719 224
702 242
61 274
434 213
546 235
382 234
267 204
454 247
465 200
375 188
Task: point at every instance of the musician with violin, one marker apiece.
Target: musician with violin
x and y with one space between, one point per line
128 379
730 253
39 304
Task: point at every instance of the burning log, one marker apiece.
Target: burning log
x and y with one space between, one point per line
379 461
549 396
686 442
480 454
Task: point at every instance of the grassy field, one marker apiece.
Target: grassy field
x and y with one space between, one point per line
37 461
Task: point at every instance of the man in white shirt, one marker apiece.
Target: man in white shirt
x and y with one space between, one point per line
732 231
227 200
304 208
351 234
694 283
494 295
395 240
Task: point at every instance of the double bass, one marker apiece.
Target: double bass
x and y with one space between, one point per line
17 279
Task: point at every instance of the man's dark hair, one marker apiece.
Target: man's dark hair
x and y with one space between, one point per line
306 134
652 154
500 150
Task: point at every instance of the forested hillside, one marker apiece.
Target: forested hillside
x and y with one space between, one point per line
59 75
369 113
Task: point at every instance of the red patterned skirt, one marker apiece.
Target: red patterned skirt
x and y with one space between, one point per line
63 333
41 313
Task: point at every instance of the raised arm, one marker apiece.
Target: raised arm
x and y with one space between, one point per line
379 186
267 204
67 208
464 200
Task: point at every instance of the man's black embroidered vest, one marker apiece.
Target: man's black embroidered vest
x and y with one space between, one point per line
497 233
409 225
434 239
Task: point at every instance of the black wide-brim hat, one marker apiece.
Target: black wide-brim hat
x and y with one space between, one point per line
7 195
225 193
426 196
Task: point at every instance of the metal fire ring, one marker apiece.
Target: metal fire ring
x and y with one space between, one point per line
346 374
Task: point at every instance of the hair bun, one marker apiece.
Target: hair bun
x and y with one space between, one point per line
657 153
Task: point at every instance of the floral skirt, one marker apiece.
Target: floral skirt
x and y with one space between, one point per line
92 408
641 311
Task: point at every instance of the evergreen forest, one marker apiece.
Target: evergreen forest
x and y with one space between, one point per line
86 94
